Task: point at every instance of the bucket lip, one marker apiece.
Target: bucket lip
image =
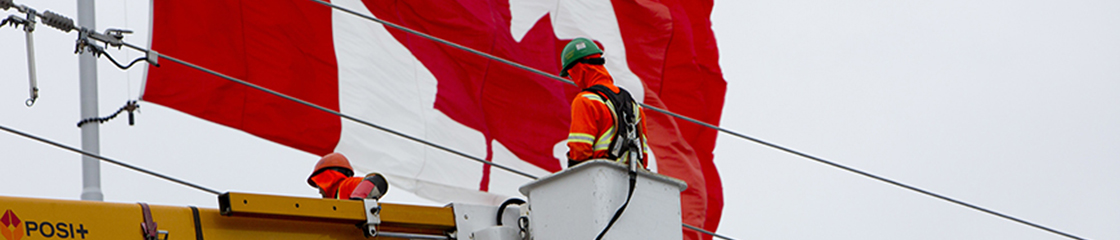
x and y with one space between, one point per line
594 163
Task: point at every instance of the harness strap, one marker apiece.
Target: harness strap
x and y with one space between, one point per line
626 130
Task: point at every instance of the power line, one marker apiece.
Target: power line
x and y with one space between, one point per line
539 72
399 134
445 42
106 159
336 113
363 122
705 232
182 182
728 131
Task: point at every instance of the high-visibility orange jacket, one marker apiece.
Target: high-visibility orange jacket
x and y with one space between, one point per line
346 187
333 184
592 123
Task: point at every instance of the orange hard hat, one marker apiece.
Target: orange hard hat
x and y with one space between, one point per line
331 161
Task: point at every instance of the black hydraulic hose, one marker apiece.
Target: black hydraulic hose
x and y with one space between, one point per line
502 208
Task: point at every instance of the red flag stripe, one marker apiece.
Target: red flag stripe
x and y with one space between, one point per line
253 41
682 75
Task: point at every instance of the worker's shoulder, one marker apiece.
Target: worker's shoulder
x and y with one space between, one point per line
588 96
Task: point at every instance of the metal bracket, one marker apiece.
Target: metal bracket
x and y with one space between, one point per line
373 217
112 37
84 43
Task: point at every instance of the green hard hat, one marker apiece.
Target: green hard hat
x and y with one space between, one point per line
578 48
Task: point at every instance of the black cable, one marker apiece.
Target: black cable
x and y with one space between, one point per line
570 82
125 66
690 227
115 162
66 27
502 208
617 214
98 51
128 106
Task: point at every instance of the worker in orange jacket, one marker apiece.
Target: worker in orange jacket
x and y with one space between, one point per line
334 178
594 132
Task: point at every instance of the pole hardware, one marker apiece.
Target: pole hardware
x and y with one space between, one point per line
28 23
33 83
58 21
88 39
129 106
6 4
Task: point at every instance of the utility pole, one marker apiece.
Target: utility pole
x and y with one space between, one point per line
87 70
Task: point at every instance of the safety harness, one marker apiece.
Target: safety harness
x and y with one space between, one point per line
627 142
627 137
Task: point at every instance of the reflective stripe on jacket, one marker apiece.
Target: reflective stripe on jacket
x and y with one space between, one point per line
592 123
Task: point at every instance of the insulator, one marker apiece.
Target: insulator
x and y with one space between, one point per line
6 4
57 21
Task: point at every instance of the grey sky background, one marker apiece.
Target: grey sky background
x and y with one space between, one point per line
1010 105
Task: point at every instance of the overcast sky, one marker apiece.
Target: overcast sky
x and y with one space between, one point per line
1010 105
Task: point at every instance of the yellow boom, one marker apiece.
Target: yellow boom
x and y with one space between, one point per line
242 216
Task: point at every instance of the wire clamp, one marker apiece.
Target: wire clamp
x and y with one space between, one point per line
88 41
84 44
153 57
112 37
131 106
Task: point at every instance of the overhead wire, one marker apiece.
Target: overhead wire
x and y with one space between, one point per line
109 160
690 227
86 36
357 120
539 72
337 113
707 125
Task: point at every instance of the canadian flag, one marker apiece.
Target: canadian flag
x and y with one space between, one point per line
445 95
